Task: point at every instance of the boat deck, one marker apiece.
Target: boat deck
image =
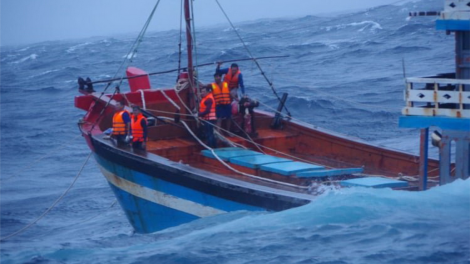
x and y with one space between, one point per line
187 149
278 143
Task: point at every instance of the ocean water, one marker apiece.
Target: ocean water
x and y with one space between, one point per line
344 73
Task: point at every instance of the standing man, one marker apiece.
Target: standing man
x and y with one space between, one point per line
139 129
223 107
121 124
207 113
233 77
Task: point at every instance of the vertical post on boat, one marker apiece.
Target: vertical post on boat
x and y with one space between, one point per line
423 159
189 40
444 159
276 123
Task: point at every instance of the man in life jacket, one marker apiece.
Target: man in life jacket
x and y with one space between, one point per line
138 128
233 77
207 113
121 124
223 107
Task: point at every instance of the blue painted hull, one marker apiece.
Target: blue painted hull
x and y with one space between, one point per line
155 194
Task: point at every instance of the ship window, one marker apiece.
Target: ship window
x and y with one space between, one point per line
465 40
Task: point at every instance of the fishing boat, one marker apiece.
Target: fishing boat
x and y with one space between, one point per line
287 163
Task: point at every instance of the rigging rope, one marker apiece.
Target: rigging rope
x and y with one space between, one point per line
253 58
52 206
102 110
132 52
249 139
95 216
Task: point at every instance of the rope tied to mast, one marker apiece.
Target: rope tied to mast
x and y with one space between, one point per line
252 57
129 57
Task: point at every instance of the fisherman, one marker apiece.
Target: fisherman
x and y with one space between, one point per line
207 113
237 118
139 128
121 124
247 112
233 77
223 108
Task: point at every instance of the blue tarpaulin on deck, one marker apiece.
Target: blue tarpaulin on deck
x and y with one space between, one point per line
375 182
255 162
289 168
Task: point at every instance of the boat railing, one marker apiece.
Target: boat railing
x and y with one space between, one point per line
437 96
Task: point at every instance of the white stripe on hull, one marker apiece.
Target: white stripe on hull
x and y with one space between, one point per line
160 198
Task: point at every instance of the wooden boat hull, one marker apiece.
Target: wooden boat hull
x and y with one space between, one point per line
156 193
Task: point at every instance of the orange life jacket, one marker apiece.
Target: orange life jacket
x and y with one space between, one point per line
221 96
232 80
202 107
137 129
119 127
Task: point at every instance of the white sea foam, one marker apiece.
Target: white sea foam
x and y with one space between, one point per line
46 72
24 49
333 47
8 57
371 25
43 73
331 44
73 48
231 29
30 57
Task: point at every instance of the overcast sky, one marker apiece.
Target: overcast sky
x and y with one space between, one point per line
28 21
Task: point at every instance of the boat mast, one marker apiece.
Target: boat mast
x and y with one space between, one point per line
189 40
